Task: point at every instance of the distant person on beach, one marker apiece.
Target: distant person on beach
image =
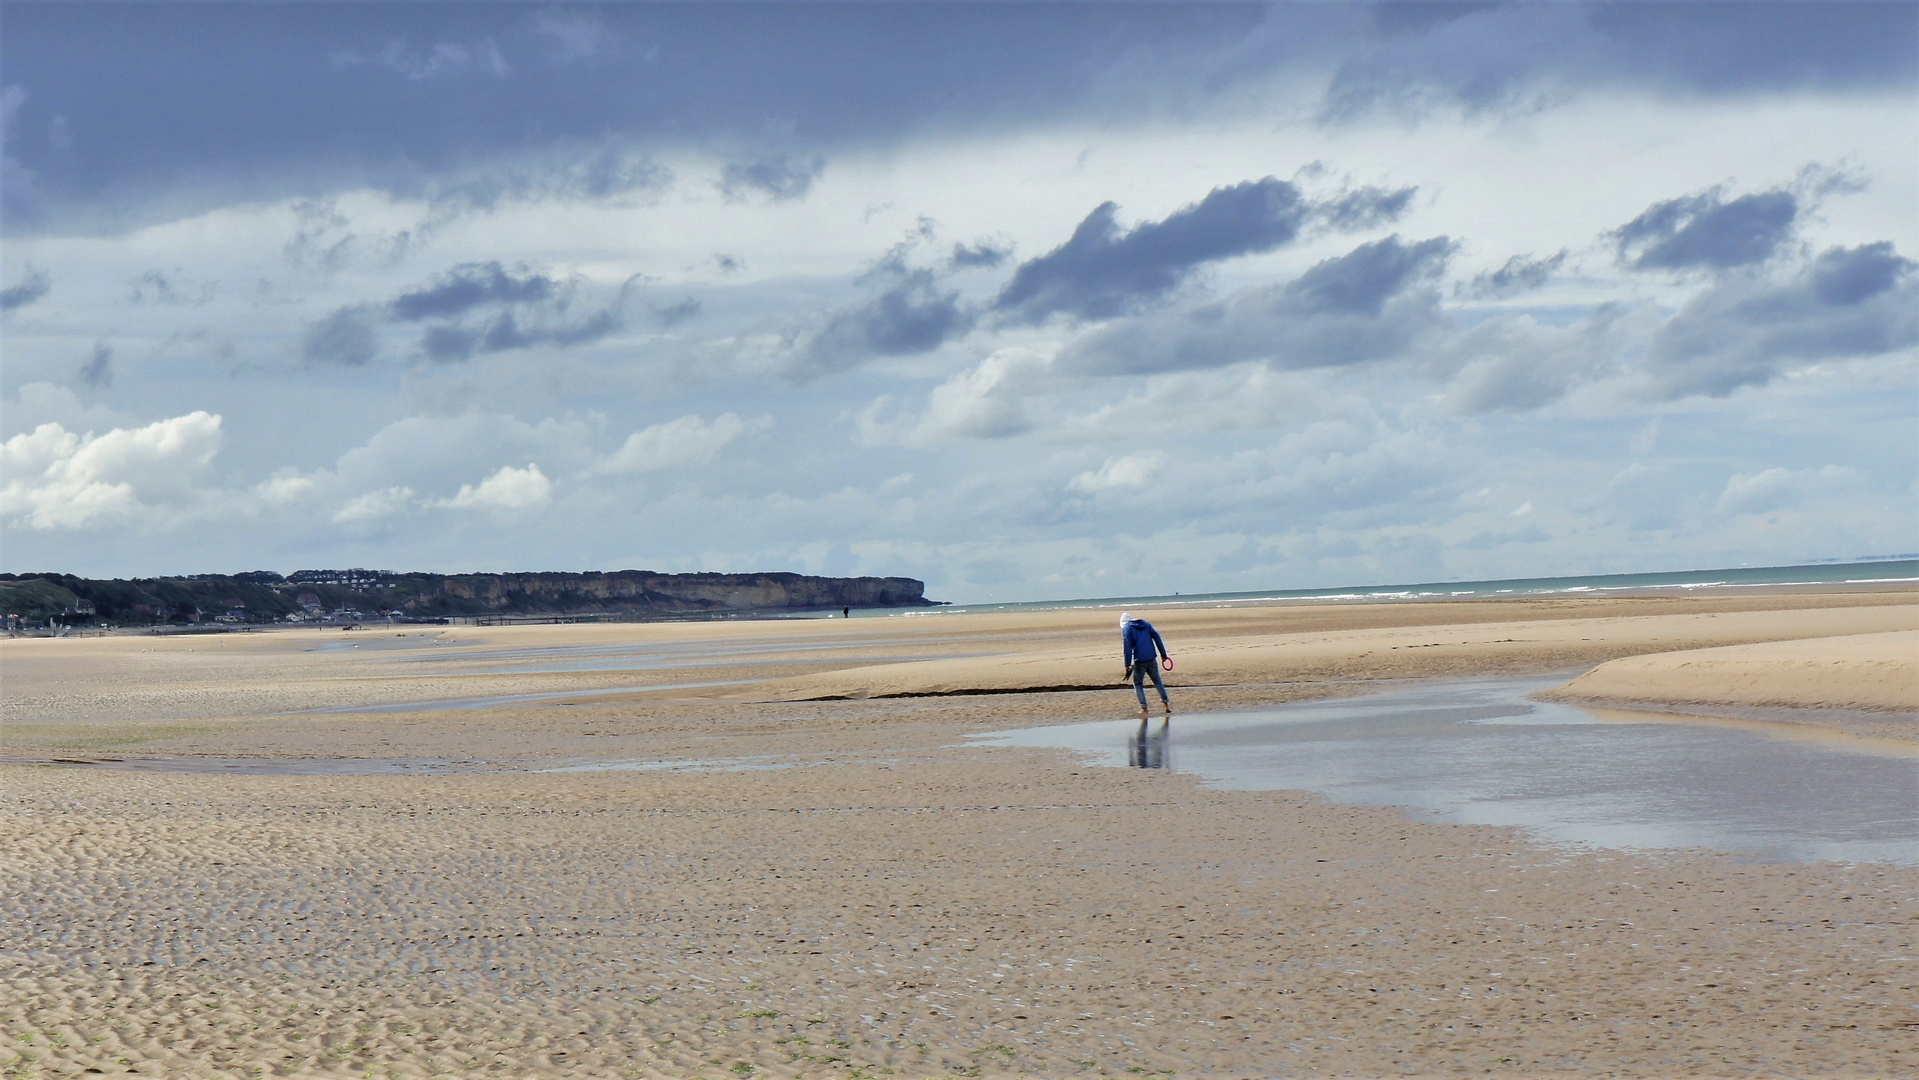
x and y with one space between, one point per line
1142 649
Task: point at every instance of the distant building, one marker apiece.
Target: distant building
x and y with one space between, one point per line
356 578
310 603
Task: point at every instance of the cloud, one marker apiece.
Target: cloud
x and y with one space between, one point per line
374 506
1848 302
986 402
1364 208
1131 471
575 34
1845 277
472 308
506 331
672 315
432 62
348 337
913 315
1704 232
1521 274
1102 271
1517 363
281 103
781 178
157 287
56 479
982 253
471 285
508 489
32 285
1365 305
97 372
1779 488
1483 57
1486 541
689 440
608 173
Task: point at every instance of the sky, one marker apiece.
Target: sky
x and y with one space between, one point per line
1028 301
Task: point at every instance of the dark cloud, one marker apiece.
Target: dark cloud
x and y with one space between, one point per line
1370 304
505 331
1713 48
673 315
171 109
1365 208
484 307
983 253
606 173
1849 302
729 264
290 100
349 336
1843 277
1703 232
914 315
472 285
97 372
32 285
780 178
1480 57
1521 274
1361 281
1102 271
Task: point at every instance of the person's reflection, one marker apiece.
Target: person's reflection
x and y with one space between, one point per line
1149 748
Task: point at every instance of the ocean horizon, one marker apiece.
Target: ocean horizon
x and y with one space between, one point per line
1899 568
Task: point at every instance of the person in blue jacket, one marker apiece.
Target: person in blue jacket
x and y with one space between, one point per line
1138 642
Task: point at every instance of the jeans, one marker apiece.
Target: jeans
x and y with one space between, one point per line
1141 669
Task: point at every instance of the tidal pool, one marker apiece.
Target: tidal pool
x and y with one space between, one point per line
1482 751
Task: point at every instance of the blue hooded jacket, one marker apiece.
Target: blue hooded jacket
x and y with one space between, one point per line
1138 641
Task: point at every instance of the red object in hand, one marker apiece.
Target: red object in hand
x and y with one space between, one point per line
1167 663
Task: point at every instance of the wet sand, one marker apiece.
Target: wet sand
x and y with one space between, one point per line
892 899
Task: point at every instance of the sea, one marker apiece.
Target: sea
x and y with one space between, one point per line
1902 569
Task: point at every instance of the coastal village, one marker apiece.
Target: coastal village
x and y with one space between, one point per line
57 604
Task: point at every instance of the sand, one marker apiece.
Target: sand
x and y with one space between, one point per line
856 892
1876 672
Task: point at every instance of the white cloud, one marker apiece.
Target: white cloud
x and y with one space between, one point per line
287 487
1131 471
690 440
988 401
374 506
56 479
508 489
1778 488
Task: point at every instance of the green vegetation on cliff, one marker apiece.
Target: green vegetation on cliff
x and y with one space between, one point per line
263 596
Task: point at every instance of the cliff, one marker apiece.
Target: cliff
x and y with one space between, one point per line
262 596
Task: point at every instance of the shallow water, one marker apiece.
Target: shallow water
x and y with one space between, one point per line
1481 751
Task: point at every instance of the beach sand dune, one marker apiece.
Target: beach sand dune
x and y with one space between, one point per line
1878 672
740 886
